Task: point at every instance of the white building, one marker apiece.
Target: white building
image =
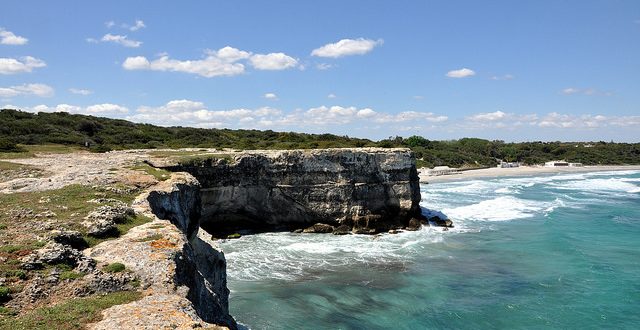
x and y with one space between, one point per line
561 163
442 170
508 164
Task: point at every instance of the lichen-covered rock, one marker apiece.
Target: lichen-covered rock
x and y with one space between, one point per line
342 230
71 238
102 221
368 189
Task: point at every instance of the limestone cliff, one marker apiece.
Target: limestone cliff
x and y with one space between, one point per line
367 189
182 272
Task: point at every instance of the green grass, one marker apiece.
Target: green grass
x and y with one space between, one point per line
115 267
157 173
31 150
72 314
71 275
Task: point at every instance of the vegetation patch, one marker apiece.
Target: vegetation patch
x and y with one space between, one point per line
115 267
158 173
72 314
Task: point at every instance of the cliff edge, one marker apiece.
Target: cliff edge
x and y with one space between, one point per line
362 190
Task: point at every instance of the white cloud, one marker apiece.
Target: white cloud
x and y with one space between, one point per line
96 109
273 61
488 116
9 38
461 73
139 24
222 62
24 64
105 108
110 24
80 91
40 90
119 39
331 96
410 116
503 77
346 47
136 63
418 97
584 91
570 90
324 66
270 96
366 113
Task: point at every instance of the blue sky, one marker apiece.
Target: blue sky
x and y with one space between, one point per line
511 70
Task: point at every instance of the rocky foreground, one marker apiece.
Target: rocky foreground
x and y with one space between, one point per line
75 219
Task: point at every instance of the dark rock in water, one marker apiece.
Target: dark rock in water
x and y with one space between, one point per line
365 231
414 224
441 222
319 228
394 231
342 230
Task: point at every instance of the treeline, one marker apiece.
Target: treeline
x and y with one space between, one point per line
104 134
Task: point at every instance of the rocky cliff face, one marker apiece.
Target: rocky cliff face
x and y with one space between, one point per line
182 272
367 190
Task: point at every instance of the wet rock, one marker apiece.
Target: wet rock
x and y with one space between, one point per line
364 230
342 230
414 224
441 222
319 228
297 231
394 231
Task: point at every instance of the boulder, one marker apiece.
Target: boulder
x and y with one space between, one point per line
71 238
414 224
319 228
102 221
342 230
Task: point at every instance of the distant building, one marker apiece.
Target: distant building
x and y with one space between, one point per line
508 164
561 163
442 170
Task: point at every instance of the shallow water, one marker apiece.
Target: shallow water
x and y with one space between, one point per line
559 251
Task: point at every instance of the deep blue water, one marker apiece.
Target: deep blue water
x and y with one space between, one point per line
557 251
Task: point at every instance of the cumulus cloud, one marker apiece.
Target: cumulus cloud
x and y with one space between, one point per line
460 73
553 120
120 40
222 62
347 47
80 91
40 90
22 65
96 109
273 61
9 38
270 96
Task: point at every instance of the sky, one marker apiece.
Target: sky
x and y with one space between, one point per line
541 70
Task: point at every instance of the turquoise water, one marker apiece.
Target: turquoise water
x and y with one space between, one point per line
557 251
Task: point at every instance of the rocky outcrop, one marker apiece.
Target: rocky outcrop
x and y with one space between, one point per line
369 190
182 272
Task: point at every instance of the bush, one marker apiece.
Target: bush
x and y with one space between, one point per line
9 146
115 267
4 293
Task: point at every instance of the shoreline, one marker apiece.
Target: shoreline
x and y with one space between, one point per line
495 172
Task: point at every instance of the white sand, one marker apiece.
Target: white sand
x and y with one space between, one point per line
495 172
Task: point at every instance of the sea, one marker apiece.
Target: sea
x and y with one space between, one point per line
538 252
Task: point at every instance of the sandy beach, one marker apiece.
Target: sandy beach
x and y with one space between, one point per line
496 172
